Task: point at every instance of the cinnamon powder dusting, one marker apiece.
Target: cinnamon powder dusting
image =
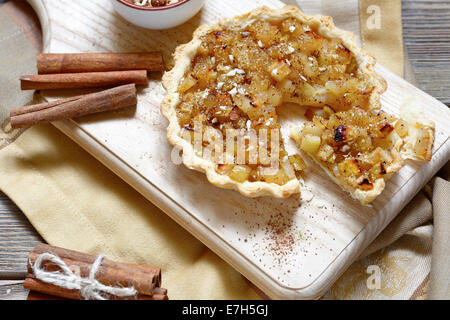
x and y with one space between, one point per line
280 236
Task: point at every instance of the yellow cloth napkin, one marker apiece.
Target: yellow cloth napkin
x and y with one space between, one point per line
75 202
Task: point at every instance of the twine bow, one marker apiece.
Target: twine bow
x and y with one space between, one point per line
90 288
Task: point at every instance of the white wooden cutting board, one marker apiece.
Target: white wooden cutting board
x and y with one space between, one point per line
291 248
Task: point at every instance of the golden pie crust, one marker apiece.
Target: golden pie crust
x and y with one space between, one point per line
322 26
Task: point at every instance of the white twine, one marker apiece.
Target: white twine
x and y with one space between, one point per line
89 287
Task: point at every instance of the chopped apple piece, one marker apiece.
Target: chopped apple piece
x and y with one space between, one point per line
310 143
297 162
187 83
325 152
280 177
296 135
225 168
279 70
401 128
424 143
349 167
240 173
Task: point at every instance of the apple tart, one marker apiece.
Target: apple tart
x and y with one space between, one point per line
233 76
360 149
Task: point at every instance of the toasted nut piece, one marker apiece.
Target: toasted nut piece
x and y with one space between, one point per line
365 185
340 133
386 128
309 114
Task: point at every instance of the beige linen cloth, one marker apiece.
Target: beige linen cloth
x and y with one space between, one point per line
75 202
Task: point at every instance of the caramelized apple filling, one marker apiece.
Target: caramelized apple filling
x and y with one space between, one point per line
357 147
239 78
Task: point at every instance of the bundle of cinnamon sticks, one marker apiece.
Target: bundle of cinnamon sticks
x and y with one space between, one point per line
84 70
145 280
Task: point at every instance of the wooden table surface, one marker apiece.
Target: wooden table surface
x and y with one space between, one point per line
426 32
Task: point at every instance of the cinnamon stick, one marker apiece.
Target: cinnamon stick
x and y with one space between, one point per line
82 80
87 258
144 283
41 106
35 295
97 62
34 284
111 99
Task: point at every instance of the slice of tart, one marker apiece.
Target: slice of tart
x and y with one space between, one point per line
233 76
360 150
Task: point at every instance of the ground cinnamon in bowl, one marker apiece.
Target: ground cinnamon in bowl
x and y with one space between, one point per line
153 3
157 14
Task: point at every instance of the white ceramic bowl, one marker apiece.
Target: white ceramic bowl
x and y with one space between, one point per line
158 18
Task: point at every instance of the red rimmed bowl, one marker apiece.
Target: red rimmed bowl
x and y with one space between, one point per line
158 18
